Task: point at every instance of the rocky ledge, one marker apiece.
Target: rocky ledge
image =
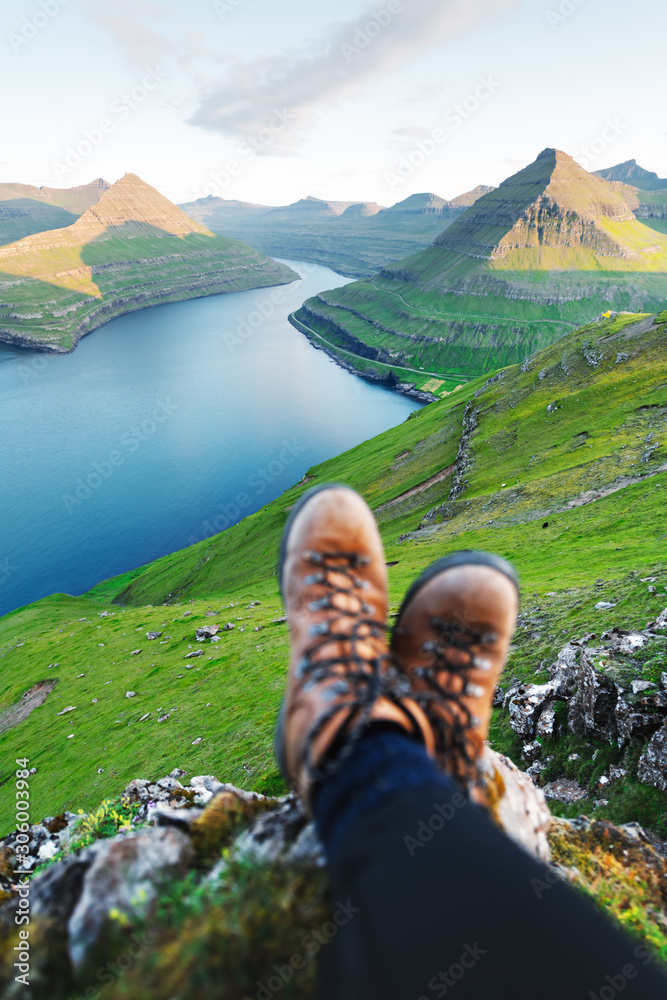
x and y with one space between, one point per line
157 870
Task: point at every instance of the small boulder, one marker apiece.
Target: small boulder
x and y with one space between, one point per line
130 694
206 632
532 751
652 767
153 635
196 652
123 877
564 790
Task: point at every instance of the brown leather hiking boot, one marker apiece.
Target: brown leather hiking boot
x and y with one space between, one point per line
451 637
341 677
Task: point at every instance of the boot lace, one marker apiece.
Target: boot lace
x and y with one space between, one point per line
364 679
443 704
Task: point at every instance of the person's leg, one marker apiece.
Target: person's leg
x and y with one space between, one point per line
463 912
438 902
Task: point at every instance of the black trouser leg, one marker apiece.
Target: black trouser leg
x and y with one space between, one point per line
440 903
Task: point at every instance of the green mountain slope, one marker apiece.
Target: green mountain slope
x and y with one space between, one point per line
644 191
552 246
559 464
130 250
25 209
356 239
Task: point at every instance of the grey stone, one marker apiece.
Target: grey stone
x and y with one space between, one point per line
124 875
196 652
531 751
169 784
639 686
652 767
564 790
153 635
546 723
206 632
56 891
604 606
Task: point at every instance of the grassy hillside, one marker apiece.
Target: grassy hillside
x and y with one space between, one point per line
566 473
551 247
356 239
131 250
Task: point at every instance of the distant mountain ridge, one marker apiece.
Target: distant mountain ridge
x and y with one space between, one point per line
133 248
355 238
25 209
552 247
630 172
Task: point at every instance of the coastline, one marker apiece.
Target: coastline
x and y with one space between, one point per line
112 308
387 382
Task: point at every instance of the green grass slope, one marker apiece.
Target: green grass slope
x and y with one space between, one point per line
566 476
551 246
131 250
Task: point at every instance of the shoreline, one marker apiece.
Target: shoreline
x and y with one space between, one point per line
115 308
389 382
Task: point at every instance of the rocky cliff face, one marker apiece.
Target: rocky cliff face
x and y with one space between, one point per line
553 202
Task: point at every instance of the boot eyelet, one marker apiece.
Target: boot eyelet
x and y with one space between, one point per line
482 663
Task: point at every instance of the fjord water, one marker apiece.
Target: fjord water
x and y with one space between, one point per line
163 427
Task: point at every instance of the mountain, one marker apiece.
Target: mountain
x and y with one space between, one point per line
644 190
551 246
25 209
631 173
131 249
357 239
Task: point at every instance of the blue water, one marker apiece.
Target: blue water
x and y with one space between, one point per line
163 427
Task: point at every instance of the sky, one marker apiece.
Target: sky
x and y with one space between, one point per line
269 101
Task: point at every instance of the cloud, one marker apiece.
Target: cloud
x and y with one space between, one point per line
334 67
